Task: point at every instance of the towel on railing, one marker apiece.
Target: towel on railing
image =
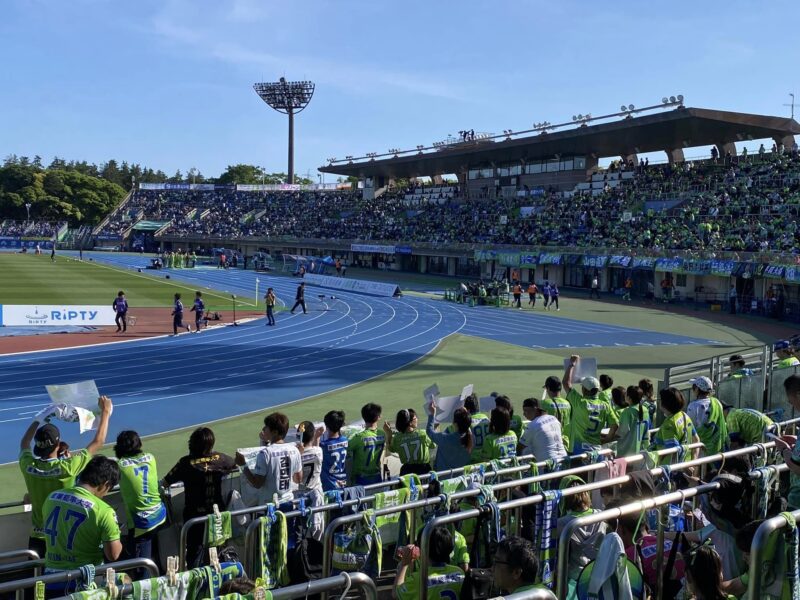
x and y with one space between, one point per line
389 525
218 528
272 555
545 540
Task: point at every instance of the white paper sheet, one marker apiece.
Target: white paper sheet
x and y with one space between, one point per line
445 407
487 403
74 403
586 367
81 393
250 455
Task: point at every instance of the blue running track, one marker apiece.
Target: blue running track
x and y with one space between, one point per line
162 384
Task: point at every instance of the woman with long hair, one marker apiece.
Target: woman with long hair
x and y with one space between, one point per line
202 472
704 575
454 444
410 443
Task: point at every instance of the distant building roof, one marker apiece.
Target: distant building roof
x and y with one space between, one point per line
674 129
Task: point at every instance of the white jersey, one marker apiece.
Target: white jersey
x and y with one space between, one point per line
542 438
277 463
312 467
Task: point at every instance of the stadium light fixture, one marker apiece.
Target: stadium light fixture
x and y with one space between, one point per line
289 98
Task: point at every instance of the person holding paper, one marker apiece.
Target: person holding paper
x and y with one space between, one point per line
453 447
279 467
50 466
412 445
590 413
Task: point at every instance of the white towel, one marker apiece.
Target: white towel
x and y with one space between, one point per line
611 563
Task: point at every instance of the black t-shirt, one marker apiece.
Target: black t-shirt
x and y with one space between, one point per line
202 481
300 292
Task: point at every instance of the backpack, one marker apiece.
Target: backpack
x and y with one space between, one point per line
305 559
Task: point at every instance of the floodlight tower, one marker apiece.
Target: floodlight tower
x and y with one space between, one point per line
289 98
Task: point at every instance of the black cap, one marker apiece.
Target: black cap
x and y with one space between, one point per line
552 383
46 439
726 407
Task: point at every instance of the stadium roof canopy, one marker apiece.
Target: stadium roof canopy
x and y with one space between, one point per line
664 131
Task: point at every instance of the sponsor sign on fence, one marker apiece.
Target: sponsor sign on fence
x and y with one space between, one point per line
374 288
43 315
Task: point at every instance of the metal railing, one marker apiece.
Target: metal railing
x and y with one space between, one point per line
328 535
392 483
345 580
77 574
757 546
330 529
563 542
539 594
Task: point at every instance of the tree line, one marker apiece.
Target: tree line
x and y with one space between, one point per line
83 192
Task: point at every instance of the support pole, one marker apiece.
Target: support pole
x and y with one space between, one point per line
290 173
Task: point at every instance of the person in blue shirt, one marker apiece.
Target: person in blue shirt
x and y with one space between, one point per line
554 295
199 309
546 295
334 452
120 306
177 316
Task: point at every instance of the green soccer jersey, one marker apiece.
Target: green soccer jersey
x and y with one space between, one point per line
677 430
443 583
633 432
499 446
589 416
561 410
138 483
77 524
480 429
747 424
709 422
413 447
460 553
364 450
43 476
516 425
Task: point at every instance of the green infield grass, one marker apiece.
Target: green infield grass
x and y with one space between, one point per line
30 279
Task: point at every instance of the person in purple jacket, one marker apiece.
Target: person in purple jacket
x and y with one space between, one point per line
120 306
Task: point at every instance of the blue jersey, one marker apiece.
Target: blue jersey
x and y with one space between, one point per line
334 455
178 307
554 291
199 308
120 305
546 289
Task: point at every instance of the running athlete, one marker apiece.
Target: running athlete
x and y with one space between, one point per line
546 295
177 316
199 309
120 306
532 290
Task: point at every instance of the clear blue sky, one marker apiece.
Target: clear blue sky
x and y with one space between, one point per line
168 83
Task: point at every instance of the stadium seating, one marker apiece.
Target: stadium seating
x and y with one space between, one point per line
750 206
